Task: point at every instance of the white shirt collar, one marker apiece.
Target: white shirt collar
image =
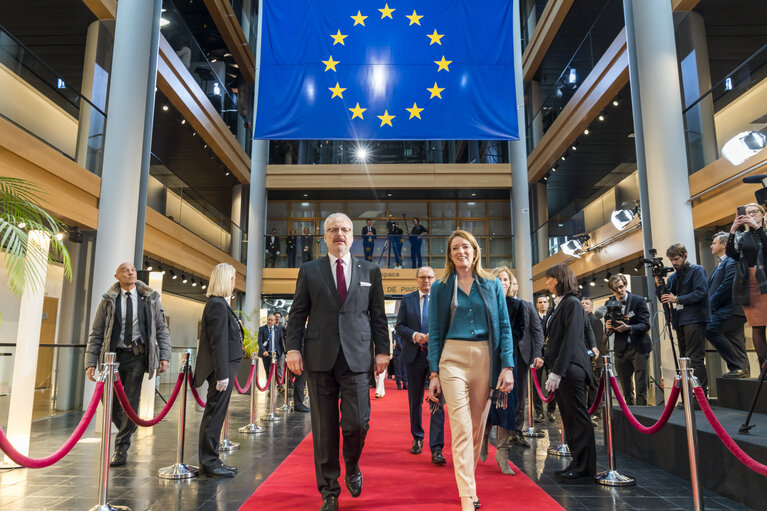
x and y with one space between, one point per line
347 259
421 294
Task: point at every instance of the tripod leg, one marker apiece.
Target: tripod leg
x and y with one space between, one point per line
745 427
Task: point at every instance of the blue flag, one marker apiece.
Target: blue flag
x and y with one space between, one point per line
386 70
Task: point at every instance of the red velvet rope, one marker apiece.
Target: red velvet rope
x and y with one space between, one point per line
598 398
131 413
244 390
281 381
675 390
28 462
194 390
268 380
538 388
726 439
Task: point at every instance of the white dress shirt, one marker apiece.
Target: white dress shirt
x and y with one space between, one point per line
347 264
123 310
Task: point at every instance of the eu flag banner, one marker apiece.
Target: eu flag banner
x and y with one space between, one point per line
386 70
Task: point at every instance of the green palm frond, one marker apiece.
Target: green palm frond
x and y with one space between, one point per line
250 343
20 213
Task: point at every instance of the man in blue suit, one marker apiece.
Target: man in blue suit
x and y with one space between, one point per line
269 340
413 327
725 331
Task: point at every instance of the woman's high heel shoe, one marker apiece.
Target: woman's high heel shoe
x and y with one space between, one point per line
477 504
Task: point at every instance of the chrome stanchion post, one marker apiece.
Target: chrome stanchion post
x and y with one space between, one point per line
610 477
108 377
561 449
225 444
253 427
271 416
180 470
692 431
286 408
531 432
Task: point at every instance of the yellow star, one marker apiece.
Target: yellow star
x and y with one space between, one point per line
443 64
435 91
414 112
386 13
337 90
338 38
414 18
435 37
386 118
330 64
357 111
359 19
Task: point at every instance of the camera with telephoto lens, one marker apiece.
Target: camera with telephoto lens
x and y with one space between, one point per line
614 312
658 269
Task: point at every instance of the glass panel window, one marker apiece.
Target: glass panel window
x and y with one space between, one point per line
499 227
443 210
326 208
471 209
444 227
500 246
303 209
495 262
277 209
410 209
476 228
280 225
367 209
498 209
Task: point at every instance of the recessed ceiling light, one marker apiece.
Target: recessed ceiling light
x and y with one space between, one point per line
473 194
227 173
165 108
586 132
601 117
183 121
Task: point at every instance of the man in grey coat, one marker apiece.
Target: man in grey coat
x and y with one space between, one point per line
131 320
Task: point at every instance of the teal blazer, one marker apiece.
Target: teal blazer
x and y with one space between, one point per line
501 346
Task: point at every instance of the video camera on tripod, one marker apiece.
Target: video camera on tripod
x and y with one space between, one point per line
658 269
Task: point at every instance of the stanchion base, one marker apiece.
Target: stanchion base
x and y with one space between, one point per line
178 471
251 429
560 450
271 417
8 465
614 478
227 445
533 433
285 409
109 507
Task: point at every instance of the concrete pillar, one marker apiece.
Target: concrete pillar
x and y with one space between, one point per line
657 79
27 345
256 231
236 243
520 196
535 105
123 146
540 209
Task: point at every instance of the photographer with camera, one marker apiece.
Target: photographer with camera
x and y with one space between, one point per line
750 283
628 318
687 292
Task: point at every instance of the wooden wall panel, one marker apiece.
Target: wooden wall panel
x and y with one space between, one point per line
684 5
545 31
103 9
229 26
177 83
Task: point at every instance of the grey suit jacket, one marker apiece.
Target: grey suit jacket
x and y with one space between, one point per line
531 344
358 326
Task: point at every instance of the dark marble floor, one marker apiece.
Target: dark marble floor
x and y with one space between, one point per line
72 483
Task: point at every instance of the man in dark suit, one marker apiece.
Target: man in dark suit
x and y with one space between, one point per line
368 239
413 327
725 331
597 349
344 302
528 350
542 305
632 344
272 248
270 340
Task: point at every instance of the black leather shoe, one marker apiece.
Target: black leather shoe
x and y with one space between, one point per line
217 472
404 386
575 477
354 483
736 373
551 417
119 458
540 417
437 458
230 467
417 446
303 409
329 503
518 440
563 471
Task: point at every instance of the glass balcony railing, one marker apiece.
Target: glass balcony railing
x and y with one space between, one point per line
731 106
246 12
38 100
211 75
529 13
313 152
557 94
170 195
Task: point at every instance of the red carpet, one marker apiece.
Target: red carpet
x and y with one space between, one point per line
394 479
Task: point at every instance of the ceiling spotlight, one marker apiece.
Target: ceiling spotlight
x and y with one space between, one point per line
306 195
147 265
194 282
165 108
204 286
571 247
607 276
184 280
474 194
601 117
555 167
564 156
580 285
638 266
183 121
617 101
574 147
173 275
622 217
743 146
586 131
361 154
593 281
227 173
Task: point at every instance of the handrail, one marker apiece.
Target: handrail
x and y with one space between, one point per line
44 345
726 181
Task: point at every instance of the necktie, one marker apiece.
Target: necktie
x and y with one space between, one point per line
340 280
128 337
271 339
425 315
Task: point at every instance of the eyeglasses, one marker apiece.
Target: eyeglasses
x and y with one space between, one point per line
334 230
425 277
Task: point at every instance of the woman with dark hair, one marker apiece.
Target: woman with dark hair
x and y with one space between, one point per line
570 371
470 353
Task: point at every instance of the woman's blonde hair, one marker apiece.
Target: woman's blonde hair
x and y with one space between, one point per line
760 208
221 280
505 269
476 264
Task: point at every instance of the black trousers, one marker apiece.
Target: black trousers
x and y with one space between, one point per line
692 344
551 407
325 389
579 431
520 387
291 258
726 335
213 418
417 374
131 370
299 386
632 367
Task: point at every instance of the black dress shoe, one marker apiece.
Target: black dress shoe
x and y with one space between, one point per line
230 467
329 503
540 417
551 417
437 458
575 477
217 472
736 373
404 386
417 446
303 409
563 471
119 458
354 483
